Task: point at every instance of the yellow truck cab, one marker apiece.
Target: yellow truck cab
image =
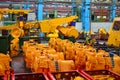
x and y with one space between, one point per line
114 33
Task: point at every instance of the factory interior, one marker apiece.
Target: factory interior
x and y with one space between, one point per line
59 39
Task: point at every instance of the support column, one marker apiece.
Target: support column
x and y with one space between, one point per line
55 11
40 10
113 10
73 7
27 5
47 14
85 16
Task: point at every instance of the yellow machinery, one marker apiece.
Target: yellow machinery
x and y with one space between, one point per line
6 11
50 27
46 26
17 29
69 31
20 21
102 31
114 33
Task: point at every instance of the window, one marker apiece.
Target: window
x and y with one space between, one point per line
116 25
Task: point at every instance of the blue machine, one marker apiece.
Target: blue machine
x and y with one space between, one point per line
113 10
40 10
85 16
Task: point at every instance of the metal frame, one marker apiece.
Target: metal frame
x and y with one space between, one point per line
85 15
40 10
113 9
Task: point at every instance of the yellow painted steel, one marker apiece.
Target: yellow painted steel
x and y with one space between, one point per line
14 47
53 35
9 27
102 31
27 25
72 32
51 24
20 12
69 31
114 38
21 24
17 29
114 35
17 32
48 26
115 19
6 11
0 16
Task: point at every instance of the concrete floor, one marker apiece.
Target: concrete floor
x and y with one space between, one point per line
18 64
